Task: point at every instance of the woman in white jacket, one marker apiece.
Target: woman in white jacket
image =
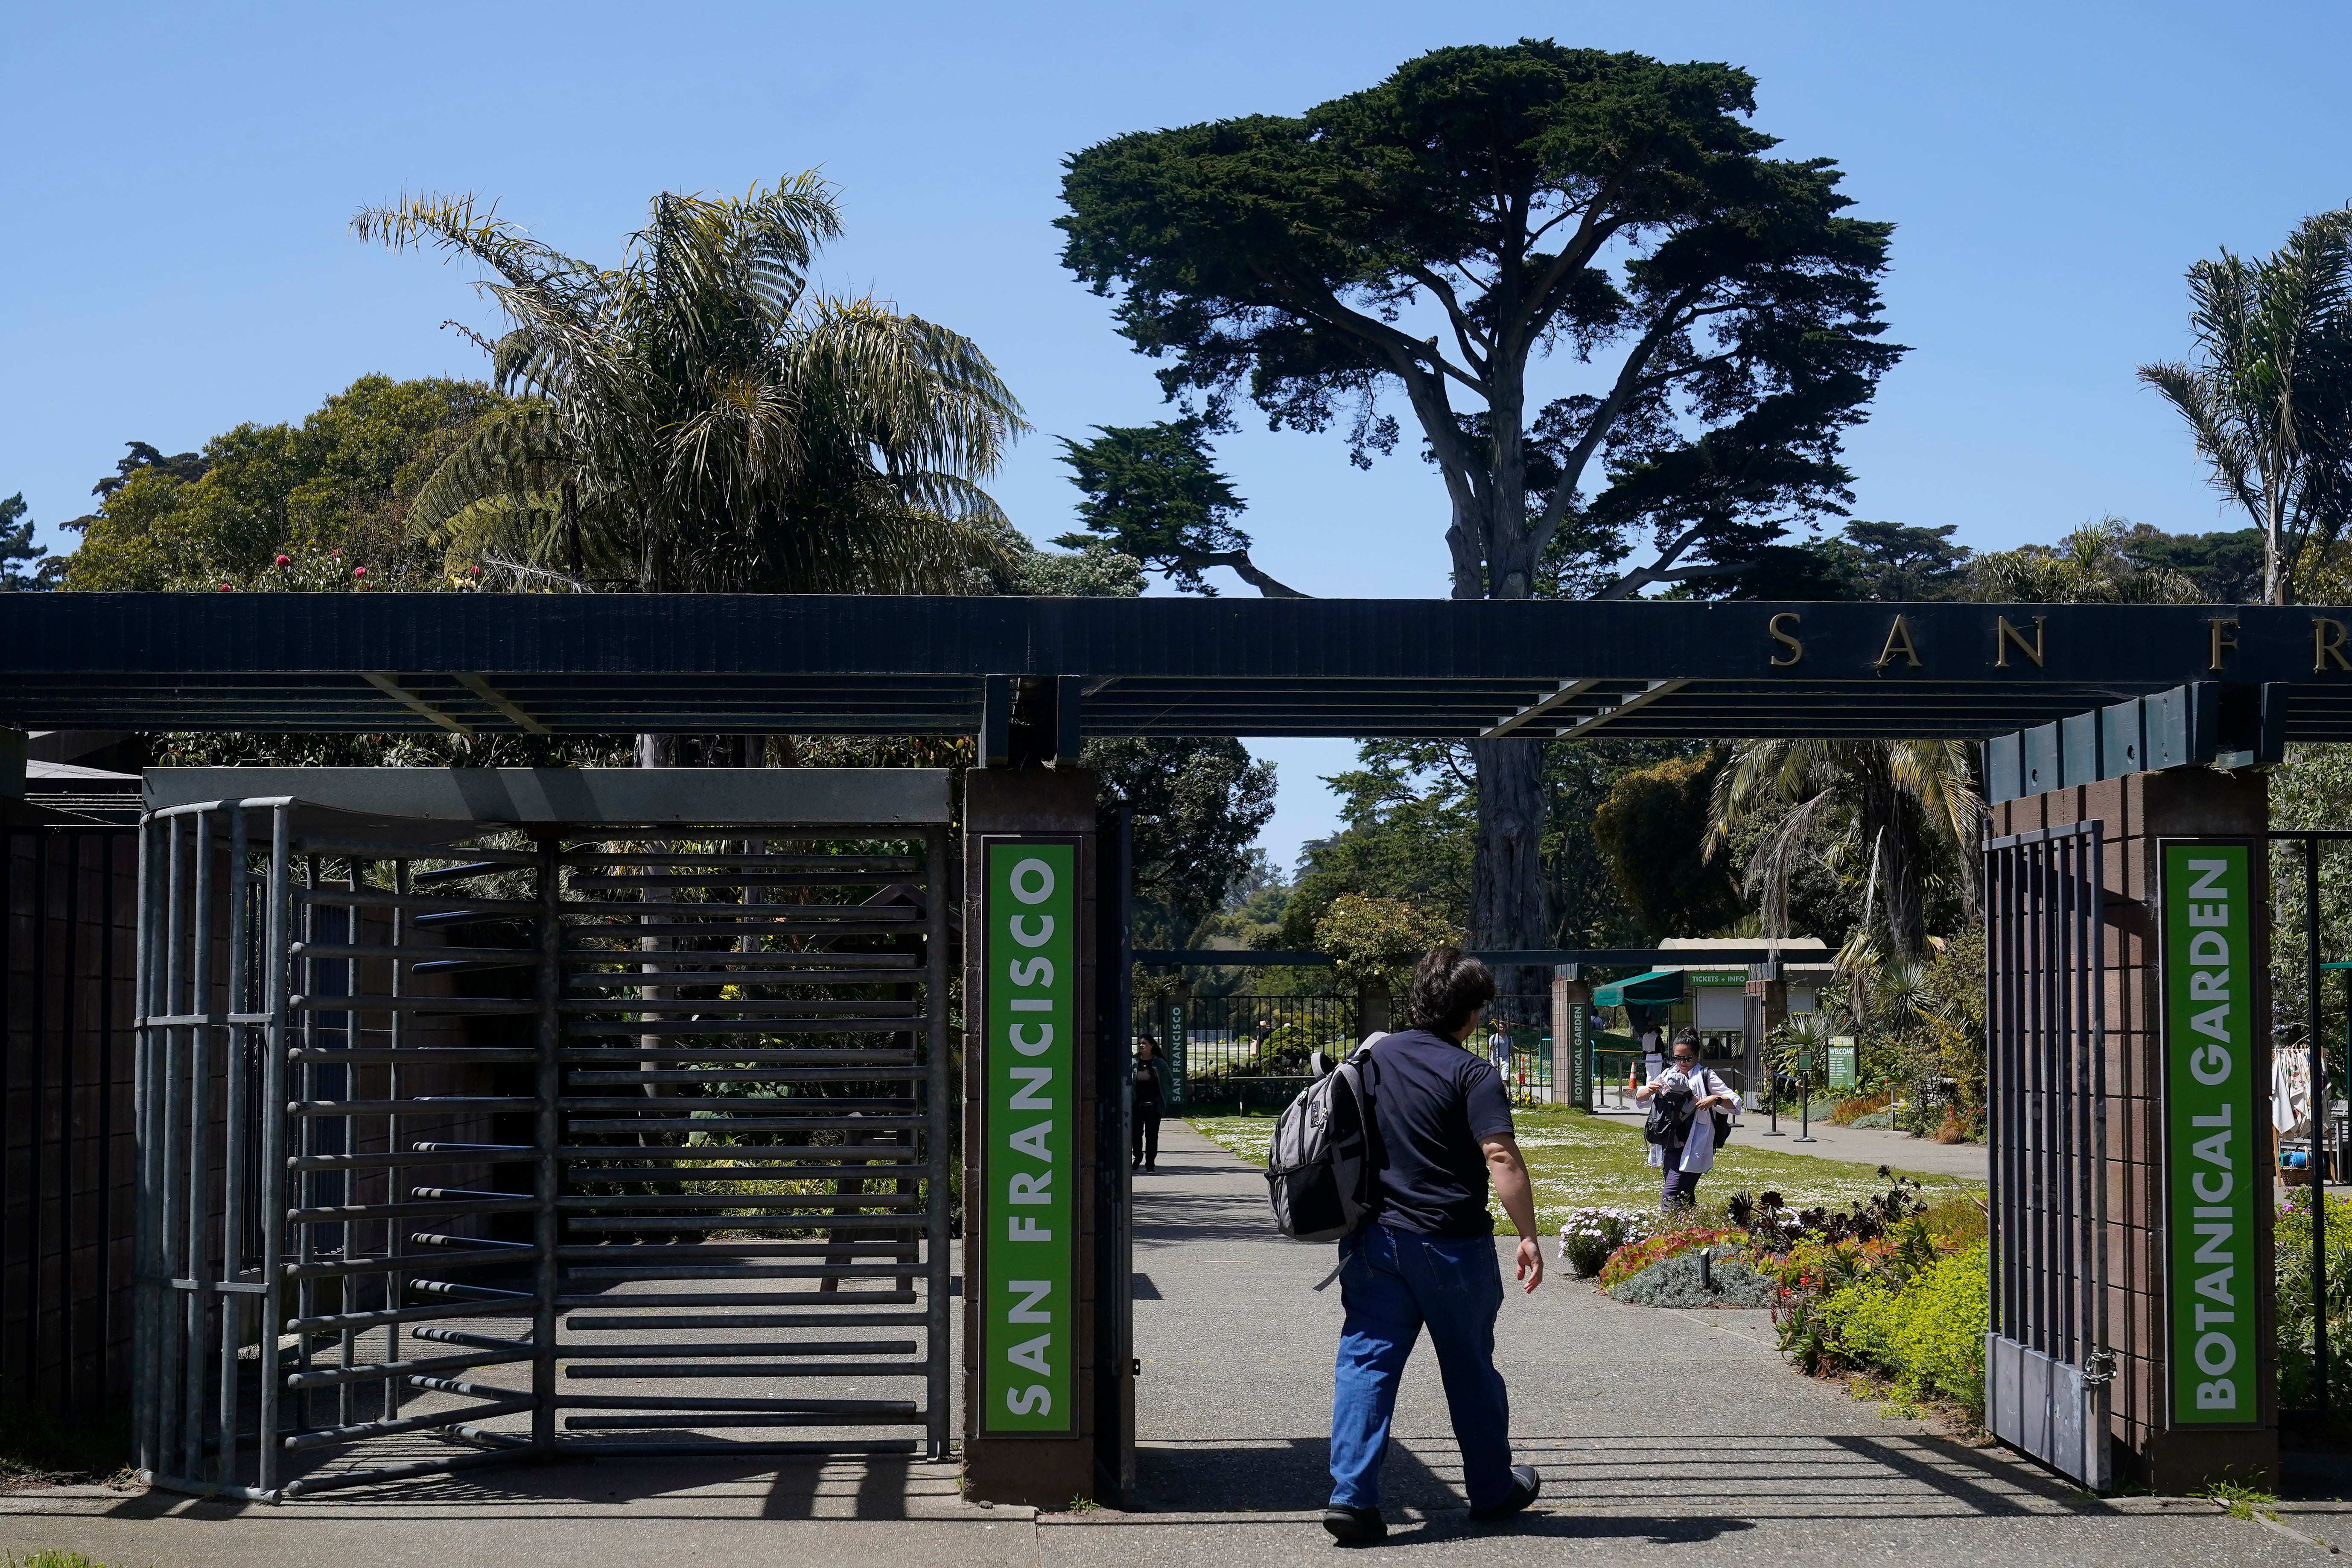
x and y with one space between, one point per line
1685 1162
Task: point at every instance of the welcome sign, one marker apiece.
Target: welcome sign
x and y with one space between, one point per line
1025 1215
2213 1143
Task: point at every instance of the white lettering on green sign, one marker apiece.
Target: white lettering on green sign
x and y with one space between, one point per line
2209 1113
1023 1215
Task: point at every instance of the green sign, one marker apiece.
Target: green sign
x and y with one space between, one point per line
1715 977
2211 1139
1844 1070
1580 1053
1025 1213
1174 1048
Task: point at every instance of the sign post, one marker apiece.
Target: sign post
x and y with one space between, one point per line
2213 1141
1025 1214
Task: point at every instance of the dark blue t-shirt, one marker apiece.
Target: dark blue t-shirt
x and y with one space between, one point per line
1432 1102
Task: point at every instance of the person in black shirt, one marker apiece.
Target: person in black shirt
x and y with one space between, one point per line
1150 1096
1442 1120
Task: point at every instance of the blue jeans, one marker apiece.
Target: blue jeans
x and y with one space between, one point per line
1391 1283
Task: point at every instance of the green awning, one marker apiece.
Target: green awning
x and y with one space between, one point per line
1658 986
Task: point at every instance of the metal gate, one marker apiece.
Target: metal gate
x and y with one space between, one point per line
2047 1364
465 1143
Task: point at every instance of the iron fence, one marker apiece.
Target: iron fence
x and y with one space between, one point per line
66 1155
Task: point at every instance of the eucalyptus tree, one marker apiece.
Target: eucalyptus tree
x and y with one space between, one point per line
1481 210
1887 806
695 418
2267 394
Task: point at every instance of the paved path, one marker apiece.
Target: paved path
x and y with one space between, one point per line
1861 1145
1656 1433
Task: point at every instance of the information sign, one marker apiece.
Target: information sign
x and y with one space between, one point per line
1845 1062
2211 1142
1025 1214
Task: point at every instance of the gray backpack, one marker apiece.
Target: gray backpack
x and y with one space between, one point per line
1319 1169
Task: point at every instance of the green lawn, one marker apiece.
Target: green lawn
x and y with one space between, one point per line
1578 1161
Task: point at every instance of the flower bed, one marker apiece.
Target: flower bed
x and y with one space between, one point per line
1635 1257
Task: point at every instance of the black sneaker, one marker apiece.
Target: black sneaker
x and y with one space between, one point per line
1355 1526
1525 1485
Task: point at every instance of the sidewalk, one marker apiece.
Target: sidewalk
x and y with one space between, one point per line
1655 1432
1861 1145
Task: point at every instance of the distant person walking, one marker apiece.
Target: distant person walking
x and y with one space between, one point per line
1150 1100
1687 1097
1442 1118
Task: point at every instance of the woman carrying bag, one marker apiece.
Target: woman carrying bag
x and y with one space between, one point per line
1150 1095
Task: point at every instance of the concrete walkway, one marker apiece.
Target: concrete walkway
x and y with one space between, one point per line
1859 1145
1655 1432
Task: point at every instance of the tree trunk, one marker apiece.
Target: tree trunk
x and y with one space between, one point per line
1507 898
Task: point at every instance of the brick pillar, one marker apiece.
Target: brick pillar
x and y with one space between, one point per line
1043 1469
2135 812
1571 1037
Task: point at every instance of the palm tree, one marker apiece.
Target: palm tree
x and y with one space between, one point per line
2092 565
694 419
1884 805
2269 397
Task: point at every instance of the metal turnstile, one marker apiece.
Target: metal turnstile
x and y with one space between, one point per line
466 1141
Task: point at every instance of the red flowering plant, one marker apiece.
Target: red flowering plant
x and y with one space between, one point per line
1635 1256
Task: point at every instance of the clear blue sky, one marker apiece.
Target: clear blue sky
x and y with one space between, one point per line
178 180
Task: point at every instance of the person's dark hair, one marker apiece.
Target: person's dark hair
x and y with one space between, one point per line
1448 986
1688 1038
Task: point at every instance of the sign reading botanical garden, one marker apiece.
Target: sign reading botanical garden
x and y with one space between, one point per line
2211 1142
1025 1214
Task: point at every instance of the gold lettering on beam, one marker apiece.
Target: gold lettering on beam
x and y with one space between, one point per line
2006 634
1796 649
1898 640
2223 643
2327 643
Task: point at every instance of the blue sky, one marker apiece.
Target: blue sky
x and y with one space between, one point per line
178 183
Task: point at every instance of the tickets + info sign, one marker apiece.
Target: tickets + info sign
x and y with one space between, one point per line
1027 1205
2211 1138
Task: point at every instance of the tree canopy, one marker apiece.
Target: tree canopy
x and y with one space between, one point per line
1153 491
2267 393
1482 209
1528 200
342 479
697 418
17 550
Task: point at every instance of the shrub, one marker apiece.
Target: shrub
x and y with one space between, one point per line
2294 1314
1884 1306
1679 1281
1592 1234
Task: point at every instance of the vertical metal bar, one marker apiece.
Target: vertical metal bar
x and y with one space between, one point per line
234 1086
548 1136
1991 860
396 1285
306 1137
36 1120
2087 937
200 1007
940 1146
110 845
2318 1111
2100 1444
174 1141
70 1237
272 1196
147 1264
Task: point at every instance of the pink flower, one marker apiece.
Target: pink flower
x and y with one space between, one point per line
474 570
359 571
225 588
285 561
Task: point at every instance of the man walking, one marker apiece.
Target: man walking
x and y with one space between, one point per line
1443 1124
